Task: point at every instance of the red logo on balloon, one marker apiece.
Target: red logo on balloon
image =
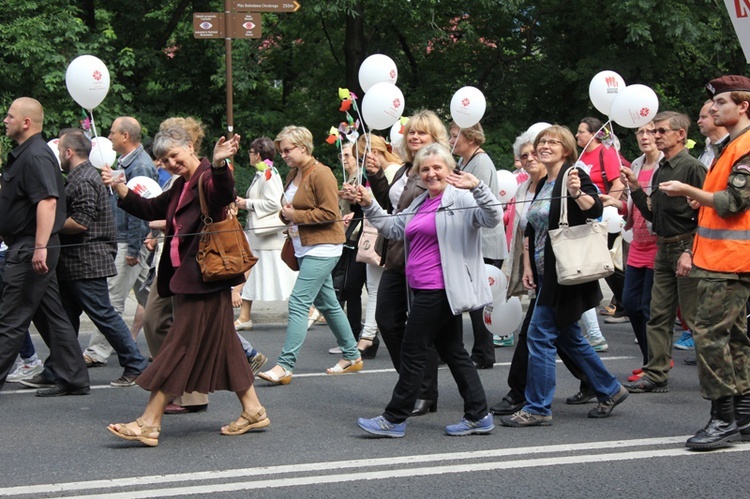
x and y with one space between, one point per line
97 75
644 111
492 281
611 81
392 74
396 103
465 102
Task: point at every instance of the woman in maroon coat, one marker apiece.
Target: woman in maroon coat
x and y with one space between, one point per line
201 353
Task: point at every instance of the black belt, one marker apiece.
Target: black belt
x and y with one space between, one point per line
676 239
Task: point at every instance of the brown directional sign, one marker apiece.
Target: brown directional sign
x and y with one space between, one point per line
208 25
265 6
245 25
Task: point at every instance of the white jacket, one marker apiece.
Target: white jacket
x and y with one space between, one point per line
458 220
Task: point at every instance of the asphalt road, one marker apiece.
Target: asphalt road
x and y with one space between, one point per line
313 448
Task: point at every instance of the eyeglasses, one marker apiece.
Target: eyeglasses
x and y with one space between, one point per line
252 152
346 155
285 152
551 142
641 133
527 155
660 131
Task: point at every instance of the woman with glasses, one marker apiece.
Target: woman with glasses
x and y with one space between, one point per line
554 322
467 144
270 279
639 273
311 211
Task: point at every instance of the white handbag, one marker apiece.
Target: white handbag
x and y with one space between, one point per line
581 252
270 224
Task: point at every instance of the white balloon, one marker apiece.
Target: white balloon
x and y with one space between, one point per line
145 187
612 218
627 235
467 106
507 186
498 281
396 136
534 129
503 317
382 106
87 79
635 106
102 152
603 89
376 69
52 144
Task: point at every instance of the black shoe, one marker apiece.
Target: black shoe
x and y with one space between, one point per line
423 406
187 409
507 406
645 385
742 415
720 430
372 350
60 389
604 409
581 397
38 381
691 361
484 365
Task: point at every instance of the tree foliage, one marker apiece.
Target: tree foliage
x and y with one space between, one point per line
532 59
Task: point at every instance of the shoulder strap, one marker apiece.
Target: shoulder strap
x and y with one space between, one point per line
564 199
201 196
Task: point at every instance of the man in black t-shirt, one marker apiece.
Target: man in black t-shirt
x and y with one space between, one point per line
32 201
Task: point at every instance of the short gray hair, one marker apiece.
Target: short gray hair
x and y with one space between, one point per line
435 149
522 140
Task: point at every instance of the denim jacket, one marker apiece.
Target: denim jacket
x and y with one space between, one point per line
131 229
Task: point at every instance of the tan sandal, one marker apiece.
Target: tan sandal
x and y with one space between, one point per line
256 422
354 366
127 434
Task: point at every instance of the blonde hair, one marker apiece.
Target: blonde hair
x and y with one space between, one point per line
474 133
564 135
193 127
378 145
425 121
297 135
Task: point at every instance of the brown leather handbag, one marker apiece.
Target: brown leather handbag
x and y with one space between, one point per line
223 250
287 254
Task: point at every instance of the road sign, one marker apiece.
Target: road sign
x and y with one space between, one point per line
245 25
208 25
265 5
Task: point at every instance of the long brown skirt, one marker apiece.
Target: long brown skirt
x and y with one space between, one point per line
201 352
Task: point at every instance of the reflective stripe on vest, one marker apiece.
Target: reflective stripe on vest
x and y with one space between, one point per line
723 244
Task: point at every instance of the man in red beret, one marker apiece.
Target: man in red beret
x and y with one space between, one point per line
720 261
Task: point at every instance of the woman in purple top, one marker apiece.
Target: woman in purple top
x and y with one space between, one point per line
445 274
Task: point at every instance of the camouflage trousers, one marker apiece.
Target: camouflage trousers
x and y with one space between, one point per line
722 346
667 293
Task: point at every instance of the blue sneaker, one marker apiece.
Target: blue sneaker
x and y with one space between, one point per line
381 426
466 427
685 342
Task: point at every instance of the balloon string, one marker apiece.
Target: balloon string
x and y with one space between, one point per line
456 141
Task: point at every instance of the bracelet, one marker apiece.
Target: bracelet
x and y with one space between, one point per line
580 193
689 252
221 166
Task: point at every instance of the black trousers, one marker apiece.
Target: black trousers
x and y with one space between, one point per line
432 322
390 315
29 296
616 281
520 363
483 350
351 294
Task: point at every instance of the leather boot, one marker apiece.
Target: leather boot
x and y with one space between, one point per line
720 430
423 406
742 415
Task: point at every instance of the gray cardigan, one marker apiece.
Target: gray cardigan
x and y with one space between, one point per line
458 220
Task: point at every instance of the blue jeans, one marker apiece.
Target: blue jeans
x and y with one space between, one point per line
636 299
314 285
92 296
541 340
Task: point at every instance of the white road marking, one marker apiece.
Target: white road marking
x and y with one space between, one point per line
490 460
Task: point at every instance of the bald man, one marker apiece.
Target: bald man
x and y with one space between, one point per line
33 208
713 133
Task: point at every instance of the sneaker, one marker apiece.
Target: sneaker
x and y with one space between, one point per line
523 418
646 385
124 381
466 427
335 351
503 341
599 345
38 381
382 427
256 362
604 409
25 371
616 319
685 342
